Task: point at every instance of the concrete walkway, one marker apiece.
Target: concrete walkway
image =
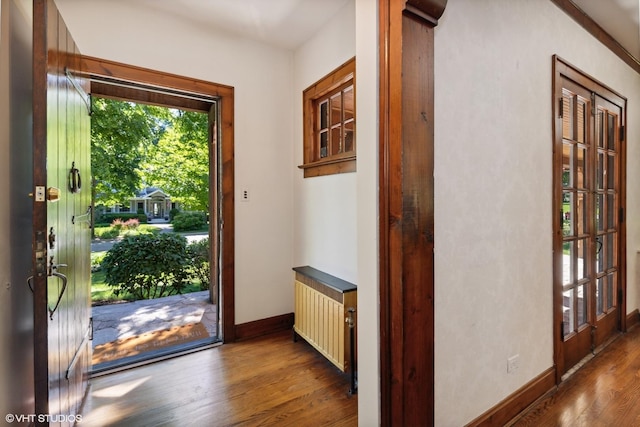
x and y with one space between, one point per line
117 321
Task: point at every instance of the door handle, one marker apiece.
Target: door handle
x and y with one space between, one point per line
75 181
599 247
53 272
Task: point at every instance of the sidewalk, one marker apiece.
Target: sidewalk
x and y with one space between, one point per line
117 321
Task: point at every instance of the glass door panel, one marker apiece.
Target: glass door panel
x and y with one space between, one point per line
588 236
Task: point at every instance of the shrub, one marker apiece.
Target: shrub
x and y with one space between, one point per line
108 218
107 232
200 255
96 260
172 213
189 221
148 266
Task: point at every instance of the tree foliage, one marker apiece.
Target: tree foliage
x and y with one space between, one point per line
121 133
185 143
135 145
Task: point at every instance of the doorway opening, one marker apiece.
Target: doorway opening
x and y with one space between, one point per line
122 82
151 284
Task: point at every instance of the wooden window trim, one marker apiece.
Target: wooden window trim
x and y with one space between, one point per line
339 163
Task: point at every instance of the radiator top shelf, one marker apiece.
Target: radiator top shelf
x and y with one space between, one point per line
333 282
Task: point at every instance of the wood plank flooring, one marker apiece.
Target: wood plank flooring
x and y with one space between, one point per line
604 392
266 381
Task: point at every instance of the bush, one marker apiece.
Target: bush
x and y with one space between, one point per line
172 213
148 266
96 260
189 221
108 218
106 232
200 254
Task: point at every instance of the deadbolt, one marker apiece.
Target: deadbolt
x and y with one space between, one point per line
53 194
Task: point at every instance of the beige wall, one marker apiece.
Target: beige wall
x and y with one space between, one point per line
324 207
367 212
493 181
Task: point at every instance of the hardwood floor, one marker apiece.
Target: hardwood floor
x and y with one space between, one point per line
265 381
604 392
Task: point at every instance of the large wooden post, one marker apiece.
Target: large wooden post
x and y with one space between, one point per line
407 210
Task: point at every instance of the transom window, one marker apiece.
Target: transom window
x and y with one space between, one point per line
329 123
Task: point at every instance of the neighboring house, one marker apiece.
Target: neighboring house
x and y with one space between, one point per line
154 202
151 201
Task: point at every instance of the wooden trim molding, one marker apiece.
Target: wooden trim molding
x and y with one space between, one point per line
633 319
257 328
406 228
586 22
138 84
517 402
40 334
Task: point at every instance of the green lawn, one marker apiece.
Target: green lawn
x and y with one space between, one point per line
101 293
103 231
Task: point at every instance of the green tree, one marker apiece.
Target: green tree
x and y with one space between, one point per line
121 133
185 145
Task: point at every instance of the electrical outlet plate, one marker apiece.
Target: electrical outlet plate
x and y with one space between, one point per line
513 363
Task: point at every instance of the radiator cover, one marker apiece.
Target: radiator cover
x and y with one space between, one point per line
321 305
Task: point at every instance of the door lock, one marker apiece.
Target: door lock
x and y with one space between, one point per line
53 194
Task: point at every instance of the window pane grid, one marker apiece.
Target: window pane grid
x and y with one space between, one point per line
336 123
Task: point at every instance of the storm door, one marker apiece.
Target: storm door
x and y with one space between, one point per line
589 207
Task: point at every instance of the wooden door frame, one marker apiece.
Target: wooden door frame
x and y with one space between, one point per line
155 87
406 203
561 68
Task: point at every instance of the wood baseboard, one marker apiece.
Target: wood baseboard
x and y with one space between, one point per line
517 402
266 326
633 318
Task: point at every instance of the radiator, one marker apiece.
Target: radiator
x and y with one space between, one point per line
321 305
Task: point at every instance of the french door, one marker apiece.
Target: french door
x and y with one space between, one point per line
589 202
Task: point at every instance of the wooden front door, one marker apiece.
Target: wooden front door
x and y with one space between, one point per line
589 200
61 241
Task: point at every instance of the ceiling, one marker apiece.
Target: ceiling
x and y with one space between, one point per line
283 23
620 18
289 23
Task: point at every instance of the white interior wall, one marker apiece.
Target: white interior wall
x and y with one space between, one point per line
493 181
324 207
261 76
367 209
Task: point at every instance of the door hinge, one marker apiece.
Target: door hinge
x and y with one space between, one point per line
561 107
593 104
622 133
620 295
621 215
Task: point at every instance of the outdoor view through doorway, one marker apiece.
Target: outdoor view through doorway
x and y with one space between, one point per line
152 293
